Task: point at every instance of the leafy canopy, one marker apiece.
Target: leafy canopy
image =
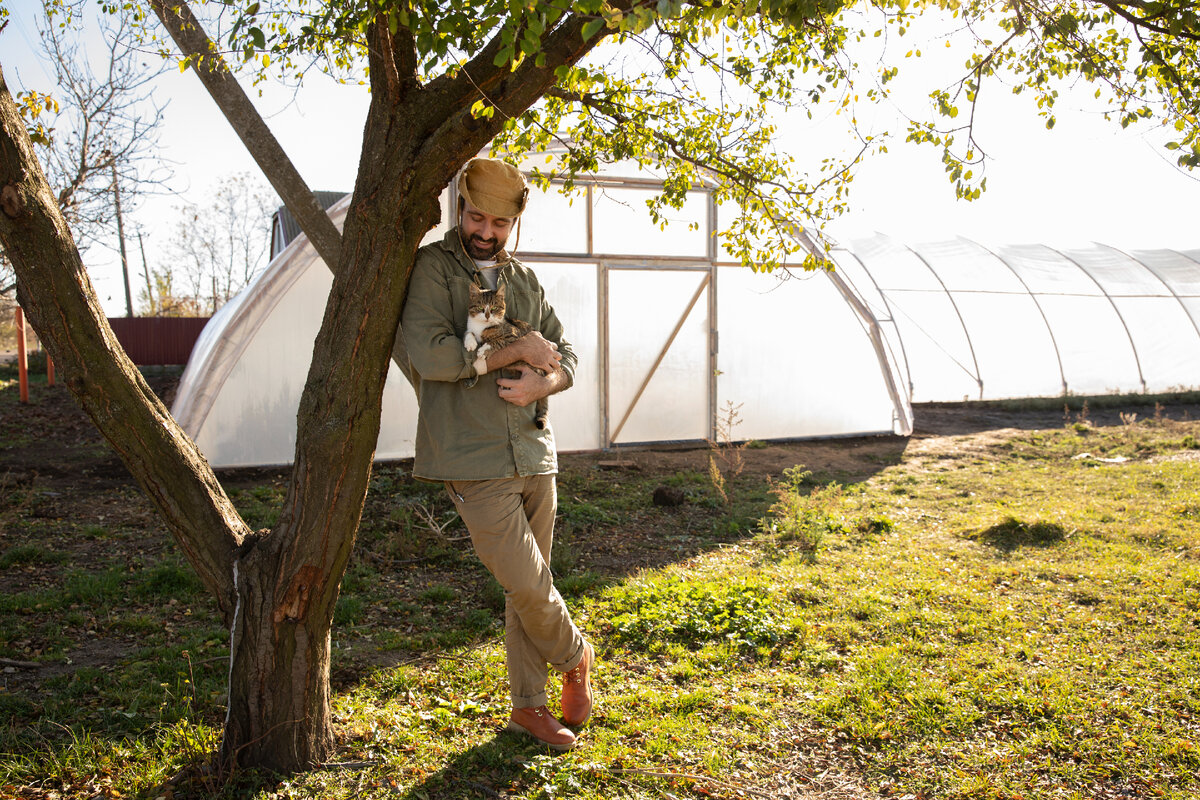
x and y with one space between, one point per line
696 89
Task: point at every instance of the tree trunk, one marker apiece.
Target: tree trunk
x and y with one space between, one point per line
287 582
279 716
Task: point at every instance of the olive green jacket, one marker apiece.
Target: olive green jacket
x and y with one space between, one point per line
464 430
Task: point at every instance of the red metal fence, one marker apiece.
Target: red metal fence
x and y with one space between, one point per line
152 341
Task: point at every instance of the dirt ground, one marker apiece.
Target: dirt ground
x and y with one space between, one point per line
52 442
52 457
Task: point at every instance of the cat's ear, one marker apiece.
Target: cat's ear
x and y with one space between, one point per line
473 292
500 293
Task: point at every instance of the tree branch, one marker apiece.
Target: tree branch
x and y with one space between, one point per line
1121 10
510 91
54 290
245 120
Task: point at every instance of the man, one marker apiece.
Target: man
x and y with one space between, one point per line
479 437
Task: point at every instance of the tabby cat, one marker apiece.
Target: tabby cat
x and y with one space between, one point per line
488 330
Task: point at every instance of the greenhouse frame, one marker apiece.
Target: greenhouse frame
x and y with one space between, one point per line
677 344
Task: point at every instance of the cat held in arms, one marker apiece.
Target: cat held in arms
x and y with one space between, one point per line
487 330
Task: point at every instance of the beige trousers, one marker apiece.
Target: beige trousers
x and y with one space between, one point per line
511 522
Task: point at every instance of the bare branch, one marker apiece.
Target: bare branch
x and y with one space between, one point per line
214 73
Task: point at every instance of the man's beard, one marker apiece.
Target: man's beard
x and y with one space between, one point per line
483 249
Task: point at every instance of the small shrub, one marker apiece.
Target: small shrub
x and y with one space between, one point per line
726 458
1012 533
797 477
805 520
690 613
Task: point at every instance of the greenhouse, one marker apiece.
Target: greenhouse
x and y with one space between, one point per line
671 335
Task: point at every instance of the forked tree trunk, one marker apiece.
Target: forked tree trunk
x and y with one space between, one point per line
277 590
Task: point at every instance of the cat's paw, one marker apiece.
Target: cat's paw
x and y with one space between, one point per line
470 342
483 351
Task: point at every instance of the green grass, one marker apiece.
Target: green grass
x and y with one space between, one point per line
1006 620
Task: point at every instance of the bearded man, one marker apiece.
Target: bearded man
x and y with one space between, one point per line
479 437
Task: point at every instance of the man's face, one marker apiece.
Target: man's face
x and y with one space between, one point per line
482 234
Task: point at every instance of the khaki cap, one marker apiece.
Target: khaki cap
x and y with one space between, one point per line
494 187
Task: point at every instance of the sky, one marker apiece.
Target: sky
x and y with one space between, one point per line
1086 181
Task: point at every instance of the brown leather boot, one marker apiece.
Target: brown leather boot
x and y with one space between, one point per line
577 689
541 725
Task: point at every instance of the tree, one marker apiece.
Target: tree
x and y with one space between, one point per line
446 79
159 297
220 245
97 126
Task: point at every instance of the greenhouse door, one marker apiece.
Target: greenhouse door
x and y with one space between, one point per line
660 354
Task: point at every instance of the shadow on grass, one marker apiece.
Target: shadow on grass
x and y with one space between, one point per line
488 770
1013 534
1047 413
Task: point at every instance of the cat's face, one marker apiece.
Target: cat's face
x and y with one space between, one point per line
485 305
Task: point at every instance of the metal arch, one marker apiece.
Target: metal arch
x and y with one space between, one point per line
1128 333
958 313
1062 374
902 405
1163 281
891 318
1169 288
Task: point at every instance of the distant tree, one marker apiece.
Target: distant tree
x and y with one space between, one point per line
159 298
96 127
8 329
686 87
221 243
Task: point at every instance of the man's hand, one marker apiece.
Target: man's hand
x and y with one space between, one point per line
530 387
531 348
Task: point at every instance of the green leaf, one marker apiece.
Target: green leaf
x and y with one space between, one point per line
591 28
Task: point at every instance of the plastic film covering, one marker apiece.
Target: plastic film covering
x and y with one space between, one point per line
658 355
240 391
1032 321
668 334
575 415
778 372
623 225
